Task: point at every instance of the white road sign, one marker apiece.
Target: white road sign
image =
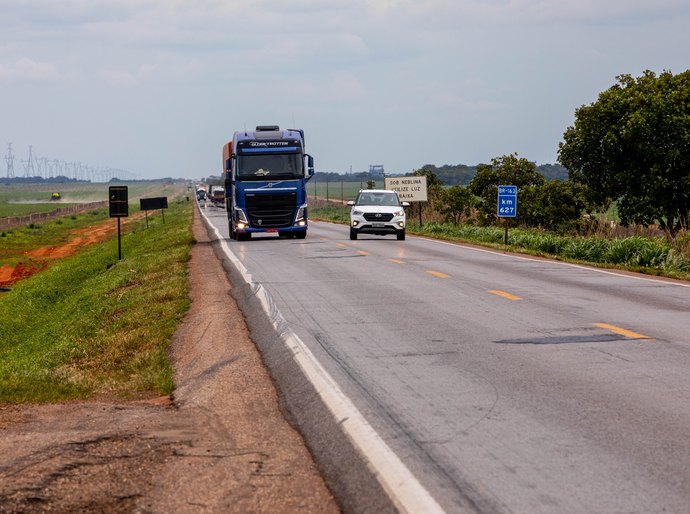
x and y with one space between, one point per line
409 189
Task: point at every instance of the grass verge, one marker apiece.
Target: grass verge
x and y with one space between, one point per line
640 254
91 325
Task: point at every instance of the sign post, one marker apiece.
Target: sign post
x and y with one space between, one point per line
409 189
119 208
506 207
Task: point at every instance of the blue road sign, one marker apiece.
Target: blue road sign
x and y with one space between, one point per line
507 201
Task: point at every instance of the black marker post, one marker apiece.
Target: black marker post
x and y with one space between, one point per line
119 208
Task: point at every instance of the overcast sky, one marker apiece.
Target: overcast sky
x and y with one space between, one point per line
158 86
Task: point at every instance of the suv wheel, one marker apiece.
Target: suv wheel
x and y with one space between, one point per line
353 234
401 235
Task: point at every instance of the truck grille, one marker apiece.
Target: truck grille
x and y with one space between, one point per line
378 216
274 210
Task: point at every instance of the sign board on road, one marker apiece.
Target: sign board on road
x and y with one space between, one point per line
507 201
409 189
118 202
151 204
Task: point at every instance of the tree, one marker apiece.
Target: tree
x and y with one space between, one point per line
456 201
633 146
560 205
506 170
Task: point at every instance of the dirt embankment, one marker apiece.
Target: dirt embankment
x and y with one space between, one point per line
39 259
219 445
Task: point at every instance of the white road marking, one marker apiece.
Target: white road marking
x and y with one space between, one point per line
402 487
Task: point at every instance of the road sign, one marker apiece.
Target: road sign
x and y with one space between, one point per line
507 201
119 208
409 189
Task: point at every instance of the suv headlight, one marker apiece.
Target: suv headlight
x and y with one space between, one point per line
401 212
356 213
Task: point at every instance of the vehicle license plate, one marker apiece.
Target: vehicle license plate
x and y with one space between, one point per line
378 225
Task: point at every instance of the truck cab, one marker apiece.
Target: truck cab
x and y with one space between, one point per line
266 172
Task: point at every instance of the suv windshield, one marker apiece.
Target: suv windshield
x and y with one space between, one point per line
269 166
371 198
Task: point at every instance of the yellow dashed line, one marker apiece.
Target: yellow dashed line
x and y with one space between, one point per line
362 252
621 331
340 244
397 261
437 274
505 295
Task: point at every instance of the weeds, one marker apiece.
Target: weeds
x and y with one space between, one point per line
646 254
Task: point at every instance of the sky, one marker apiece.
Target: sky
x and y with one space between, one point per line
156 87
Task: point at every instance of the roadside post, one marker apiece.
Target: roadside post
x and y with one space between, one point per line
119 208
150 204
506 207
409 189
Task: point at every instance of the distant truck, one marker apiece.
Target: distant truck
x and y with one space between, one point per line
55 196
217 195
266 182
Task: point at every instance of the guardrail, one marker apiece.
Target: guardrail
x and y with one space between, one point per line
18 221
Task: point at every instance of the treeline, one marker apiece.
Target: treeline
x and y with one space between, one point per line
448 174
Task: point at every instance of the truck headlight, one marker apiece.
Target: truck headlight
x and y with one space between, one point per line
241 216
300 213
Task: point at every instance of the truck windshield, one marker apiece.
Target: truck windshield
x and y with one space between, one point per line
269 166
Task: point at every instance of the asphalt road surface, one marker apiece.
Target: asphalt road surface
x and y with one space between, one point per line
504 383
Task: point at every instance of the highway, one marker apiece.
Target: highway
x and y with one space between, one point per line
504 383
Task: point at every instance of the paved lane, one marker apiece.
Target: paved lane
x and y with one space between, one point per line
505 383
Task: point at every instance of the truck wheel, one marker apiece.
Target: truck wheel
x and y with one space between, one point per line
401 235
301 235
353 234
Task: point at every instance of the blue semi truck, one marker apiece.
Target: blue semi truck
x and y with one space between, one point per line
266 173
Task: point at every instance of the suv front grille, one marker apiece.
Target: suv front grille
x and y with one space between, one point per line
274 210
378 216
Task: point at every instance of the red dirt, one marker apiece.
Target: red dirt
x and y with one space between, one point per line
38 259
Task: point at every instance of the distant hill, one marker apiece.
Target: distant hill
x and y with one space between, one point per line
461 174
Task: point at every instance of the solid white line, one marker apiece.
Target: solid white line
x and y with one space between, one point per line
402 487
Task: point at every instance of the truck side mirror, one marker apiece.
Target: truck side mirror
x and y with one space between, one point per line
310 165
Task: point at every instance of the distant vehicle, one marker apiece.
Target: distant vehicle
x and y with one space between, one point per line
217 195
201 194
55 196
379 212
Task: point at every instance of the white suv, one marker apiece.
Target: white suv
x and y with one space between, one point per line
377 211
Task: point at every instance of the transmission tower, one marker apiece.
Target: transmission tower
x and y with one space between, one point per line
9 159
29 164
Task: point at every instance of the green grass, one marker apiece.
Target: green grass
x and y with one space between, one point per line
648 255
12 195
95 326
22 209
337 190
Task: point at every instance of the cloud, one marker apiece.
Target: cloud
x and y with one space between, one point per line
28 69
124 78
